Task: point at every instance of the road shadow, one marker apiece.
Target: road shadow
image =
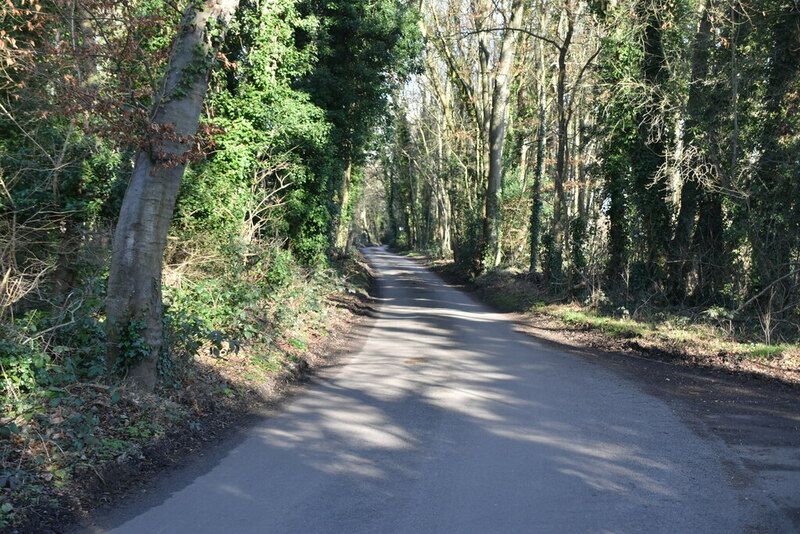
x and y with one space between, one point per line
449 421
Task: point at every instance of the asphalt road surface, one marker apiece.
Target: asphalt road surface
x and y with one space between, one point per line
446 420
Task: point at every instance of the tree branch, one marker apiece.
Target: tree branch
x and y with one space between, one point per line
521 30
754 297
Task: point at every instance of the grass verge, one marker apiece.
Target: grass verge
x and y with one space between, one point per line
696 339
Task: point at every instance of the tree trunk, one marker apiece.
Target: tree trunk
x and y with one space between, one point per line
133 304
392 210
562 117
343 222
615 167
442 195
678 266
497 137
710 248
650 186
536 189
775 191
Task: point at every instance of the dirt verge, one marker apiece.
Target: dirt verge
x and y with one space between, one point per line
511 298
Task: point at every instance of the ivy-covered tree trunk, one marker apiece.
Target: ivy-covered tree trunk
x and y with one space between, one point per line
650 184
615 170
391 197
345 215
678 266
538 177
775 188
133 306
710 248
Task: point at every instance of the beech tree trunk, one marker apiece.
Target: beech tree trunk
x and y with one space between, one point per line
133 305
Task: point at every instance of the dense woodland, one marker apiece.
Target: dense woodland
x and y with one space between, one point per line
634 155
238 129
178 178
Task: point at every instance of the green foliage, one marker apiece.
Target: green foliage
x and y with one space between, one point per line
469 239
291 117
268 127
299 344
552 261
623 328
766 352
185 335
22 364
52 348
132 345
249 297
6 514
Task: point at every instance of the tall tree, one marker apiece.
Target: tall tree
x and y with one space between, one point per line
134 306
371 45
775 185
696 106
482 72
535 223
649 179
501 89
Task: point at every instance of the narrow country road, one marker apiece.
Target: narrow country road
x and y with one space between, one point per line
448 421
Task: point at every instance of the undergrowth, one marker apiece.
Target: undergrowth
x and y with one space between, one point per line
236 317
